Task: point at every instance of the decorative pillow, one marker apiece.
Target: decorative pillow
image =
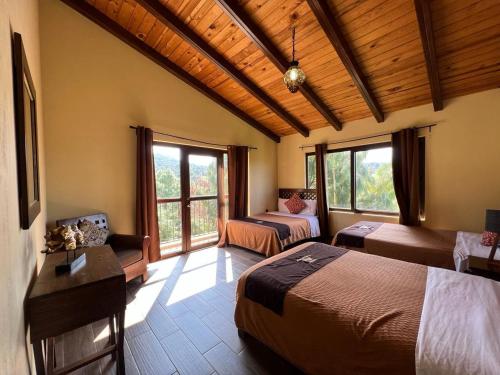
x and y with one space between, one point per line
311 207
92 234
295 204
488 238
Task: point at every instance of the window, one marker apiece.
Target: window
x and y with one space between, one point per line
310 171
359 179
374 186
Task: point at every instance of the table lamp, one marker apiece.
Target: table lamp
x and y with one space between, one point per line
493 225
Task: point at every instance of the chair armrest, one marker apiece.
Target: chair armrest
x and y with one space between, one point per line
130 241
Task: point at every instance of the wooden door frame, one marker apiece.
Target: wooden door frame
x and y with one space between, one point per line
185 199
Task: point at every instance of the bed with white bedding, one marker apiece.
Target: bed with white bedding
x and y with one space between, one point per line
270 233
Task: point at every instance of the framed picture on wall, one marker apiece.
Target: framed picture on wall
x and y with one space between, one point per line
26 136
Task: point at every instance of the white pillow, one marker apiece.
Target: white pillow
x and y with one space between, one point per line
311 207
281 205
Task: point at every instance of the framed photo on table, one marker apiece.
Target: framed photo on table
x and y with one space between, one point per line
26 136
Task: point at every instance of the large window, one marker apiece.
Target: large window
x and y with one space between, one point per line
358 179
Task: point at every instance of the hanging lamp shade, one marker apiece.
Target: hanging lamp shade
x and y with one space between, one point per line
294 77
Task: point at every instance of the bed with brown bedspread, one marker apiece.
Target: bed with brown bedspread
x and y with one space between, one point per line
265 239
411 244
365 314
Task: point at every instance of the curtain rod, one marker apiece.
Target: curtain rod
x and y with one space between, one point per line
191 140
429 126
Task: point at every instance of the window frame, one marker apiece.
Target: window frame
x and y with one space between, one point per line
353 150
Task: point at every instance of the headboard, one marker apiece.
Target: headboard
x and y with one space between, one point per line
303 193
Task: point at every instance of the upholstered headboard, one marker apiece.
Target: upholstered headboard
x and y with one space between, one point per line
100 219
303 193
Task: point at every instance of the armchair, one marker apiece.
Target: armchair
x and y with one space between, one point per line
131 250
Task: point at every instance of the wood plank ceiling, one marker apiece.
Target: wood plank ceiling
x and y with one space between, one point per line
226 52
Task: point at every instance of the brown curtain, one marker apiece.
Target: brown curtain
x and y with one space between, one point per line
321 196
146 215
405 169
237 170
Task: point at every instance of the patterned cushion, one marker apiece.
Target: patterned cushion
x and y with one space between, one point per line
295 204
92 234
488 238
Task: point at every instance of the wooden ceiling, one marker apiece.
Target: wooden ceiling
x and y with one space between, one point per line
362 58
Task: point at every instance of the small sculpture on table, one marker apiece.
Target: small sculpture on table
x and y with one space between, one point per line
68 238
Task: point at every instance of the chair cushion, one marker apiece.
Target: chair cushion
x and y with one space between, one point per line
92 234
128 257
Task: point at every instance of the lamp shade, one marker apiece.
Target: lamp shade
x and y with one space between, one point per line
492 221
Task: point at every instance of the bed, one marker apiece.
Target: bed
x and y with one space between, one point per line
366 314
412 244
270 233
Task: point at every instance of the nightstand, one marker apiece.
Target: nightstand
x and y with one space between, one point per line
59 304
483 267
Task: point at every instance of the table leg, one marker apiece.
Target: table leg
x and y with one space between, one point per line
39 361
50 355
112 334
121 332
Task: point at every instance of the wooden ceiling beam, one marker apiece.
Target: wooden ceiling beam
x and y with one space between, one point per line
332 30
255 33
423 11
170 20
100 19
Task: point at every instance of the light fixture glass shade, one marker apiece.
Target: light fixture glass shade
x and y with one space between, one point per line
294 77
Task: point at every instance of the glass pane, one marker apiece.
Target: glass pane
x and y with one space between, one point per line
374 186
226 191
167 171
202 175
226 183
339 179
311 172
203 222
170 225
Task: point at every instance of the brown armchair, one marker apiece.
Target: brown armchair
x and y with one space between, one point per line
131 250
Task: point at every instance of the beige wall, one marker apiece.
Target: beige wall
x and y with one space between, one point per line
95 86
19 249
462 159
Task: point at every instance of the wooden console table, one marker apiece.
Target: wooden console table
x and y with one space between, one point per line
59 304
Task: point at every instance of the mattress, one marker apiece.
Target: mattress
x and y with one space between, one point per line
265 239
411 244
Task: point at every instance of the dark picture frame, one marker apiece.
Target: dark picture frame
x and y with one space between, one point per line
26 136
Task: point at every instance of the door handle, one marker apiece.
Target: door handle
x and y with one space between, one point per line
188 205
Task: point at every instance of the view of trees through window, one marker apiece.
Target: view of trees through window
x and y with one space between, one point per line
202 183
374 185
374 189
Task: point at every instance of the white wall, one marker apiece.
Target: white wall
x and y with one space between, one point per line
19 249
462 159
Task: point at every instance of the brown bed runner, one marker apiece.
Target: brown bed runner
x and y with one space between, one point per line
354 236
269 284
282 229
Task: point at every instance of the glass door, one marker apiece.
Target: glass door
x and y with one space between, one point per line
203 200
191 193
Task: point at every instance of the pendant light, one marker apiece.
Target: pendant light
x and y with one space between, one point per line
294 76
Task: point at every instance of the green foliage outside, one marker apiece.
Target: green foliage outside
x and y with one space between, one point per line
374 185
203 181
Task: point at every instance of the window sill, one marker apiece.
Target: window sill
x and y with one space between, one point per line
366 213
